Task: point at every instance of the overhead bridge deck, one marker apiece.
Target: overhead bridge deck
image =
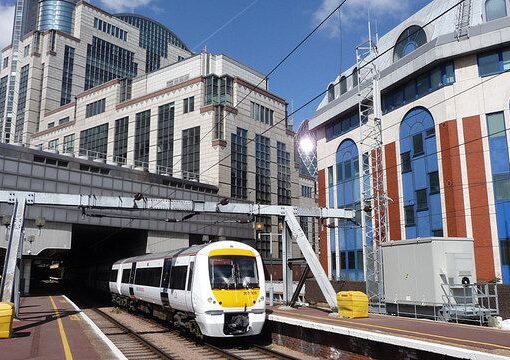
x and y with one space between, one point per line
317 333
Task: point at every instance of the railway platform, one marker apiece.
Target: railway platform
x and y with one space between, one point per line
315 332
52 327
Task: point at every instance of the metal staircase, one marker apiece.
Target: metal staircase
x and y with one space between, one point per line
463 20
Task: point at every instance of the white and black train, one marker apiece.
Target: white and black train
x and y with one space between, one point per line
215 290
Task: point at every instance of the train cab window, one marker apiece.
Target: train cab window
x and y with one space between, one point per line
125 276
190 276
113 275
233 272
178 277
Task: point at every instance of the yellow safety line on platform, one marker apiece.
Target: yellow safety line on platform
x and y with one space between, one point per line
406 331
65 343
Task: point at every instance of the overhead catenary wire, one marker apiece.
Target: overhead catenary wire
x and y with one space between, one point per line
323 92
315 29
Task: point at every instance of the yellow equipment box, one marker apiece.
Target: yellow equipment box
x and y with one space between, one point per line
352 304
6 317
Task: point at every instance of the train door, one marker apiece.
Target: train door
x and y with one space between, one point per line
167 268
189 287
132 279
178 283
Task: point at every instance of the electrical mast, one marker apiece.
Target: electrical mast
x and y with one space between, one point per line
373 195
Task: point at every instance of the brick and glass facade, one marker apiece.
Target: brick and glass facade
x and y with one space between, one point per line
445 117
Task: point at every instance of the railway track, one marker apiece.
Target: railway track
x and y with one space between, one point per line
131 344
136 344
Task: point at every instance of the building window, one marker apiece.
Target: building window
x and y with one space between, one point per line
434 182
53 144
94 141
106 61
67 76
262 113
188 104
191 153
306 191
409 215
348 194
22 99
494 62
421 200
500 167
343 85
110 29
26 50
495 9
51 125
342 126
406 161
125 89
284 184
418 144
355 77
3 95
142 138
95 108
63 120
417 87
5 62
420 184
154 38
239 164
120 140
411 38
262 169
165 151
219 122
69 144
218 90
331 92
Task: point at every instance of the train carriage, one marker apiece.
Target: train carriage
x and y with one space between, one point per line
214 290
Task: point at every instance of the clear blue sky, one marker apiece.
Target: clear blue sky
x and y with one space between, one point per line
259 33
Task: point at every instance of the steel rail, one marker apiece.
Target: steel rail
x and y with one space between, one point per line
139 338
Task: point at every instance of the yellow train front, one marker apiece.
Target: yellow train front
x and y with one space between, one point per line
215 290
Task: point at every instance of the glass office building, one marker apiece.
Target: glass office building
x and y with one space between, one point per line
56 15
154 37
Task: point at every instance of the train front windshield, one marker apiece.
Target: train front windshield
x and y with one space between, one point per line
233 272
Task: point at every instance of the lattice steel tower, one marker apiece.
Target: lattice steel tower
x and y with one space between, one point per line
373 195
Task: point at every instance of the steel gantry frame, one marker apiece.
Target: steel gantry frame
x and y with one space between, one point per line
292 231
374 201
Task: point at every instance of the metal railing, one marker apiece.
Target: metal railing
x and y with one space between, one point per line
469 302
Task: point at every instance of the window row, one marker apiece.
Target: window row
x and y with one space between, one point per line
494 62
342 126
262 113
419 86
95 108
110 29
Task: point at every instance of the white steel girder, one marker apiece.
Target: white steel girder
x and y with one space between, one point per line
293 229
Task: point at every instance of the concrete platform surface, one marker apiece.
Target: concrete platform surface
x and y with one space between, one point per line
456 340
50 327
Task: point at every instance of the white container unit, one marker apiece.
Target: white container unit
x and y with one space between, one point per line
415 271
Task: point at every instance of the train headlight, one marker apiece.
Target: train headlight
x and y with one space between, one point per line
209 299
262 299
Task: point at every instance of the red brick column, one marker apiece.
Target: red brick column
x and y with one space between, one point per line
452 178
392 189
323 233
477 180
